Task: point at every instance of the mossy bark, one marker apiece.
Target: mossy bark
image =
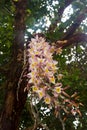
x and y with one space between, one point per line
13 106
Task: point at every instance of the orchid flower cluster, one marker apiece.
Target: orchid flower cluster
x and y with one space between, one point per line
42 69
42 74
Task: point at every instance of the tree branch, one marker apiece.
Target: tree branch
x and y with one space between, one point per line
58 17
75 25
76 38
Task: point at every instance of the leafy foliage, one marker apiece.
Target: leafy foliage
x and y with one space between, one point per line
46 16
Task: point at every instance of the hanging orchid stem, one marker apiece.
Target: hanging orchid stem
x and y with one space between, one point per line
20 79
45 80
62 122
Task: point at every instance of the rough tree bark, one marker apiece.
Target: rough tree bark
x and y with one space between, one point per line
13 107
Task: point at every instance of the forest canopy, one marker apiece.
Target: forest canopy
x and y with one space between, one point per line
60 29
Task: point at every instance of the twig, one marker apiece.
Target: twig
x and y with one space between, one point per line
62 122
20 80
37 122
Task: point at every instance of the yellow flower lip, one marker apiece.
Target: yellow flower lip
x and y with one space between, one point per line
34 64
58 89
52 80
47 100
40 93
46 70
35 88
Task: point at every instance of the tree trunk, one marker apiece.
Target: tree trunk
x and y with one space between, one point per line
13 107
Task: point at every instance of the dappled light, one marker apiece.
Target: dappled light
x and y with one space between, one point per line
43 65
